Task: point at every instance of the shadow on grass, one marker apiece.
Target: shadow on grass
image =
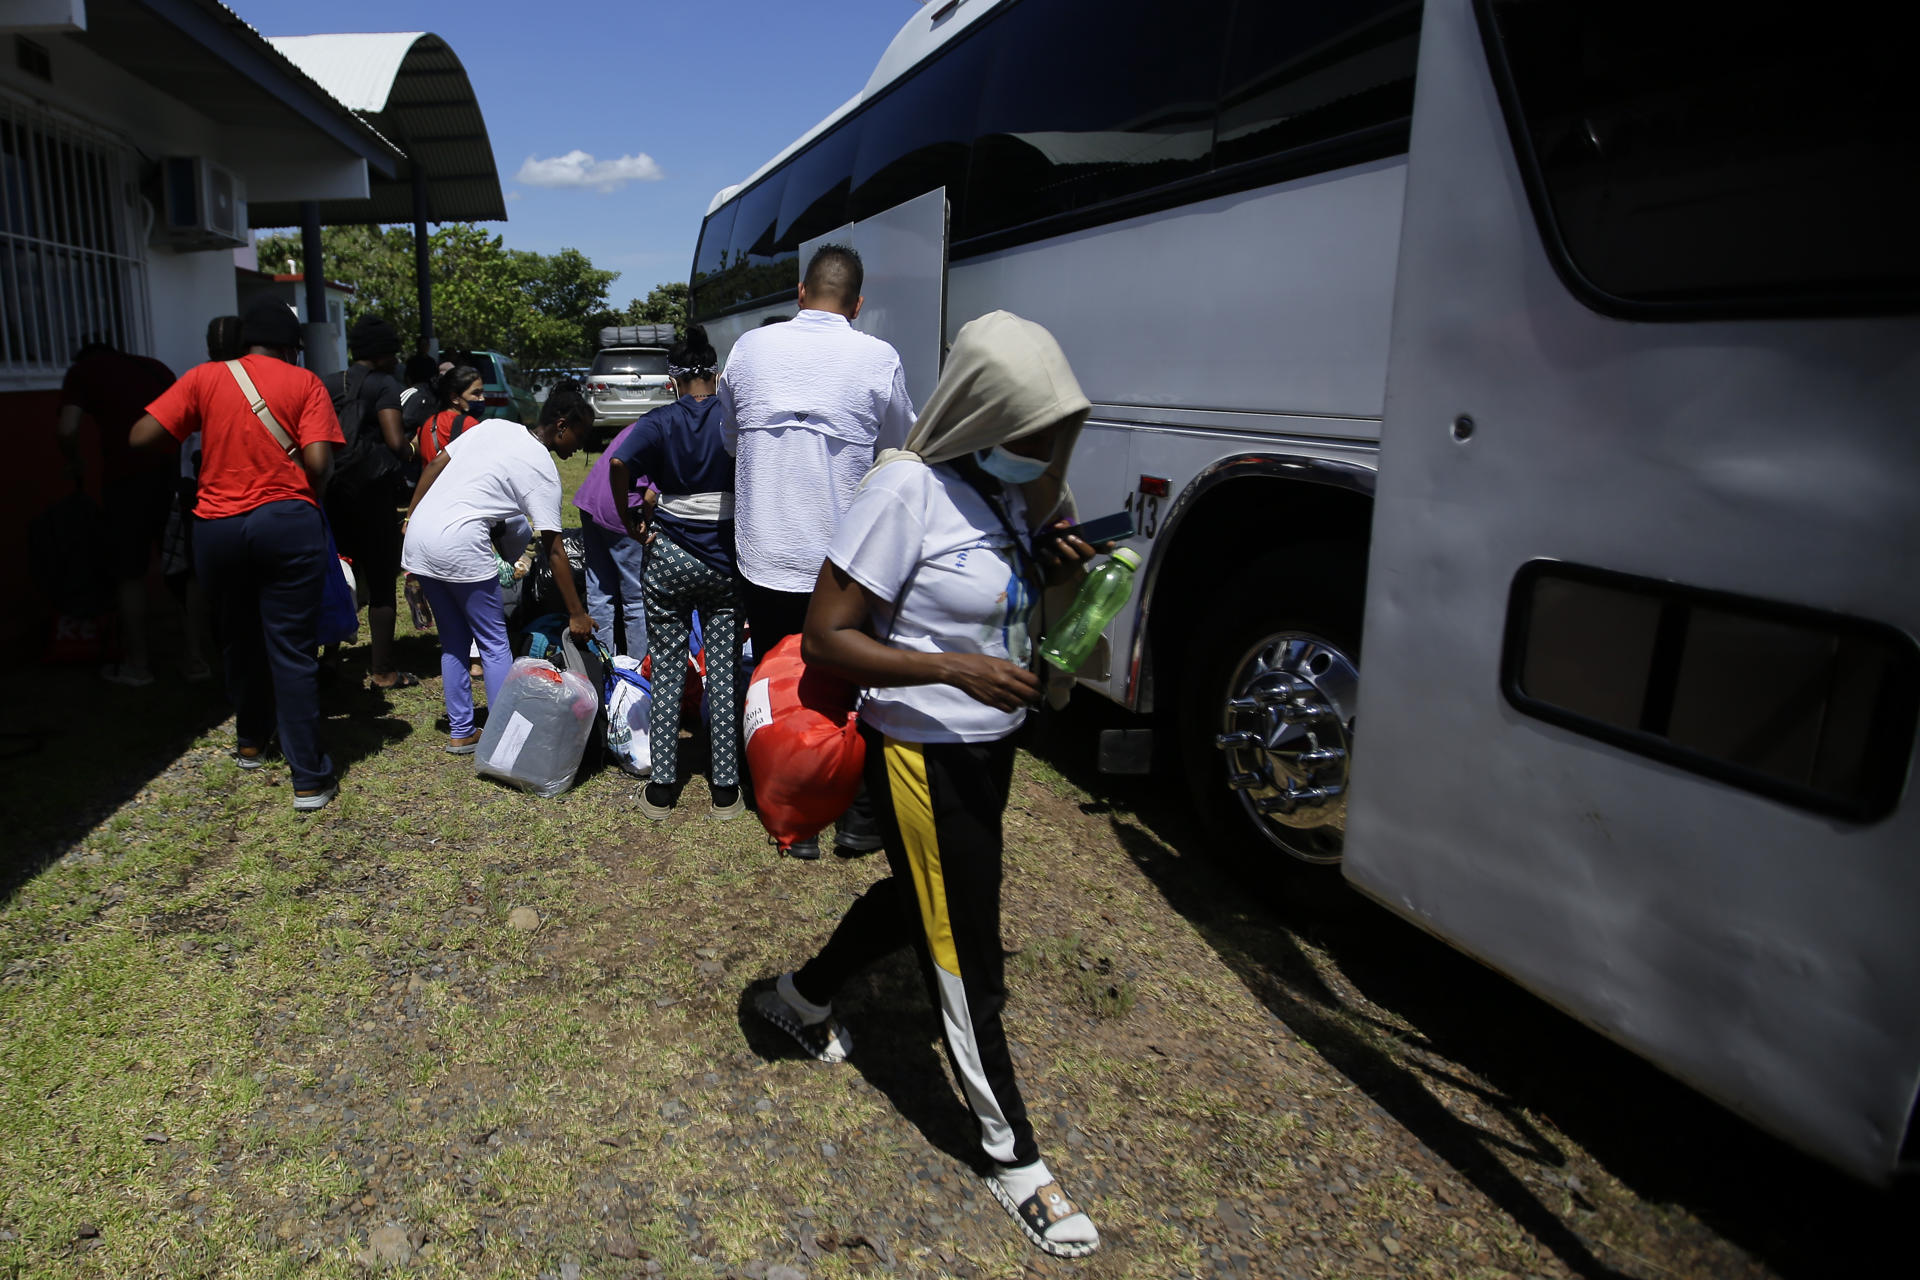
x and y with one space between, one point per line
74 748
895 1033
1667 1143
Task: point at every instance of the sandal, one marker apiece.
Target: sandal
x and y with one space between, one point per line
401 680
1043 1212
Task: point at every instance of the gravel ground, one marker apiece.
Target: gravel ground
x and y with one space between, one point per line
462 1031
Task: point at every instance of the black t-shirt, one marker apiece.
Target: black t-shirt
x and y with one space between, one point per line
378 390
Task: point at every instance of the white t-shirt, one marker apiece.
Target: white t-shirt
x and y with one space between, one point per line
927 532
805 405
495 471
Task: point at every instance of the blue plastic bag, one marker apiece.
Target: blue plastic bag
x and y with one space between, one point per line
339 614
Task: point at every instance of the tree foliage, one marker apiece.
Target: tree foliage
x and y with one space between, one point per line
544 310
666 304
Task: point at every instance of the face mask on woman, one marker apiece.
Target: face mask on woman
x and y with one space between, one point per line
1004 464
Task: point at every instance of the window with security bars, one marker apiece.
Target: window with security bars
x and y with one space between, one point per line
71 266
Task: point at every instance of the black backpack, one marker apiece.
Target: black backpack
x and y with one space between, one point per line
364 462
417 404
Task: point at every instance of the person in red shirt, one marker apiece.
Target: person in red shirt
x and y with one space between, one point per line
461 394
113 388
259 545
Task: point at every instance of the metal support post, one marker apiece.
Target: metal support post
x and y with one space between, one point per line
422 261
323 355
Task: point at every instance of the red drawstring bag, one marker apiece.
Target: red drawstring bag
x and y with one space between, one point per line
803 744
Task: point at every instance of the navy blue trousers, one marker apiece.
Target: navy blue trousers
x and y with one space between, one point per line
262 573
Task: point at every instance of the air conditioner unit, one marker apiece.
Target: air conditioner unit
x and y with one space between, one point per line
203 205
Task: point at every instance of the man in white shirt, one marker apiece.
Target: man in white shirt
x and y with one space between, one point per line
805 406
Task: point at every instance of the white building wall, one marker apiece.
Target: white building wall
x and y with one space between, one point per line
188 290
185 289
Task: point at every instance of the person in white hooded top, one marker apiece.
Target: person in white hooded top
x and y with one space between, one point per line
925 600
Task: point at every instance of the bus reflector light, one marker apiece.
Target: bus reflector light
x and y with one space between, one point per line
1155 486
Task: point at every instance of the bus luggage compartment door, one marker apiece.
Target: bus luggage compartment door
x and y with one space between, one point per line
1640 669
904 253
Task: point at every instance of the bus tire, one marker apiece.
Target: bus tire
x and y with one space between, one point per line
1276 657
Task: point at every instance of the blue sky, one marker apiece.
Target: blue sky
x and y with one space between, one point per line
708 89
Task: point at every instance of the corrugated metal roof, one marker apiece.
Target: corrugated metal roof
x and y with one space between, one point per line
357 69
412 88
206 55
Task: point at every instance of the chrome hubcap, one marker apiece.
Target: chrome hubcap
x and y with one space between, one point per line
1287 737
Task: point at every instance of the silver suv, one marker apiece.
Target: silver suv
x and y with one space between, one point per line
626 382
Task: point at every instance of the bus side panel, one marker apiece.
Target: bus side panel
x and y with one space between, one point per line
1277 300
1761 952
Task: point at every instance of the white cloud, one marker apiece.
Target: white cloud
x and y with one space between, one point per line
579 169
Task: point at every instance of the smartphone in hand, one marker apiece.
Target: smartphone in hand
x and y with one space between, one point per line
1104 529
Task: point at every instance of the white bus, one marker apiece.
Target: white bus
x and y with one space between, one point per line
1576 390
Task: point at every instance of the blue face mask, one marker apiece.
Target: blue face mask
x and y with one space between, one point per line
1003 464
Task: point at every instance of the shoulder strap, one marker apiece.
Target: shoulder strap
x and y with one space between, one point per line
260 410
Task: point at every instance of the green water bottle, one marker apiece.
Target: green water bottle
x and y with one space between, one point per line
1102 595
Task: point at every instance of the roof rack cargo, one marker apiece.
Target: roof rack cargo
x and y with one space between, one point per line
637 335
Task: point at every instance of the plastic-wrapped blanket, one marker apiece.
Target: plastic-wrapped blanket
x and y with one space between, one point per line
538 730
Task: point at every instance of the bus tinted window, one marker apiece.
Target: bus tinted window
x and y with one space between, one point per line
1717 159
708 292
920 134
1301 72
758 270
1816 708
1083 105
815 201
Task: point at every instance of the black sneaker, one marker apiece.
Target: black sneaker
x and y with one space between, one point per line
857 832
807 850
824 1038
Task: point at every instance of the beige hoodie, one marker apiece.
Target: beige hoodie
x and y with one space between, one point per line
1004 378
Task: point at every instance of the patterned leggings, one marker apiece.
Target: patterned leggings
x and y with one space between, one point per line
676 583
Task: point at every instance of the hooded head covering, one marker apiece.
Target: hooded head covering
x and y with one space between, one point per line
1004 378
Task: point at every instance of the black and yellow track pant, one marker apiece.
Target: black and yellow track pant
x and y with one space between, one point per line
939 806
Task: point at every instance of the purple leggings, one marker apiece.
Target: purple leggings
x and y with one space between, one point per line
468 613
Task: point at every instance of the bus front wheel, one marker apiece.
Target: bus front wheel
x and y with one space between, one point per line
1268 722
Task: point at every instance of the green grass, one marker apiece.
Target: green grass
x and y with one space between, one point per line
233 1040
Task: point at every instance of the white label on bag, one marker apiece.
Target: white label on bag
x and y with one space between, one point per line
759 712
506 752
